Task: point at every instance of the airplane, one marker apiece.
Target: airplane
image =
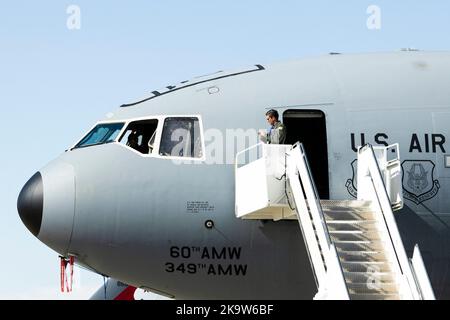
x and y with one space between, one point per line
147 196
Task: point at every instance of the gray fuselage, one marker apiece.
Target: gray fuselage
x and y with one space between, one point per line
141 219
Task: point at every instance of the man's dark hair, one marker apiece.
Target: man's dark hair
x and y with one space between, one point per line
272 113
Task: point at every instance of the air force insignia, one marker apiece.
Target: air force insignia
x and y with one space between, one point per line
419 184
418 180
351 184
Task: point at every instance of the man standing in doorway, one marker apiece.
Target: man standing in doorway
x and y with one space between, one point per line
276 134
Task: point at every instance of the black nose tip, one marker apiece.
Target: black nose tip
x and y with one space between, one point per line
30 204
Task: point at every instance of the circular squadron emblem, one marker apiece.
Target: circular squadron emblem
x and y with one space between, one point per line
419 184
418 180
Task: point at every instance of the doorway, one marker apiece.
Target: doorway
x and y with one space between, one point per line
309 127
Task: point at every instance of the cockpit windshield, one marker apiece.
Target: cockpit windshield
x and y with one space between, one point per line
102 133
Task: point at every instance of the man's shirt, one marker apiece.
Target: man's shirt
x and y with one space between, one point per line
277 134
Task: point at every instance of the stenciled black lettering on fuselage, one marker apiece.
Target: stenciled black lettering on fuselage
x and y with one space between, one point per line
211 261
418 143
428 143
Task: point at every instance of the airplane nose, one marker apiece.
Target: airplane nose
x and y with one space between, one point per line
46 205
30 204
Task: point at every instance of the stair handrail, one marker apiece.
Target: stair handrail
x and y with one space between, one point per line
368 165
390 165
325 267
312 196
312 245
421 275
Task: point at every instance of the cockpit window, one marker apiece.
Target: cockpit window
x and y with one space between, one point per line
102 133
140 135
181 138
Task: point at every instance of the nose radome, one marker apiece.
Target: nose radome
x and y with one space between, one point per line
30 204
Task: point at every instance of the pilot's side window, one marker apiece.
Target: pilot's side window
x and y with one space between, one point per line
181 137
140 135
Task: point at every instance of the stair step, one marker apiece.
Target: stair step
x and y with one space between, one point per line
354 235
345 204
361 256
367 266
359 246
373 288
332 210
352 232
348 215
350 222
369 277
362 226
375 296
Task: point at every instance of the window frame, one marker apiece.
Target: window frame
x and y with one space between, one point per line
124 122
202 137
128 122
202 158
159 129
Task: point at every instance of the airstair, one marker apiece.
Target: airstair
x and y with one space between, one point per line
354 246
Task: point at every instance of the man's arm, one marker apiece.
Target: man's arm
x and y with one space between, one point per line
262 135
282 134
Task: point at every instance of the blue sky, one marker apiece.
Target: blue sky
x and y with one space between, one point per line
55 82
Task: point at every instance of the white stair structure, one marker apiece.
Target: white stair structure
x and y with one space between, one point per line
354 246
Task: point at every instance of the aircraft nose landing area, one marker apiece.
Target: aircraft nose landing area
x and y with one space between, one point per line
31 202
